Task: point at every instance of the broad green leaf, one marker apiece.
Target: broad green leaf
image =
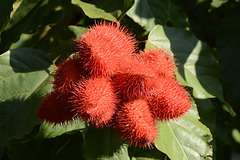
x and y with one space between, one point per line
218 3
148 13
61 148
137 153
69 147
24 41
30 25
222 126
22 11
177 16
196 64
48 130
105 9
184 138
39 30
63 49
128 4
207 112
104 144
228 48
77 30
94 11
24 79
33 150
6 8
22 19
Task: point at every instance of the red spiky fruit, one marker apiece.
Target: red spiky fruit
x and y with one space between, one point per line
104 47
136 124
160 60
135 81
94 101
170 100
55 108
67 73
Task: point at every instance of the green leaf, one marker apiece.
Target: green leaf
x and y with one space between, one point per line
196 64
205 106
22 19
104 144
33 150
77 30
207 112
177 16
22 11
228 40
218 3
63 48
24 79
128 4
24 41
94 11
6 8
43 24
184 138
148 13
105 9
60 148
137 153
48 130
69 147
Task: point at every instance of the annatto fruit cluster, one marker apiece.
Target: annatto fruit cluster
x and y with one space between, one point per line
107 82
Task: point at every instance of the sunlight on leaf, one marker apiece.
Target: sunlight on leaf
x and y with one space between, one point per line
197 66
185 137
48 130
94 12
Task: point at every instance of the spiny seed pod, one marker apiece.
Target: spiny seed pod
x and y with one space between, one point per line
67 73
135 81
94 101
160 60
135 123
104 47
55 108
170 100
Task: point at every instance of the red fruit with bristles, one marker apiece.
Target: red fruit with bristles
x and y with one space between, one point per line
135 81
105 47
67 73
170 100
94 101
55 108
161 61
136 124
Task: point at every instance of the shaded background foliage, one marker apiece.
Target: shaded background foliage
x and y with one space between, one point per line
203 35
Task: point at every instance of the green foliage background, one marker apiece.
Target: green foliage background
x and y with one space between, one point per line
203 36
